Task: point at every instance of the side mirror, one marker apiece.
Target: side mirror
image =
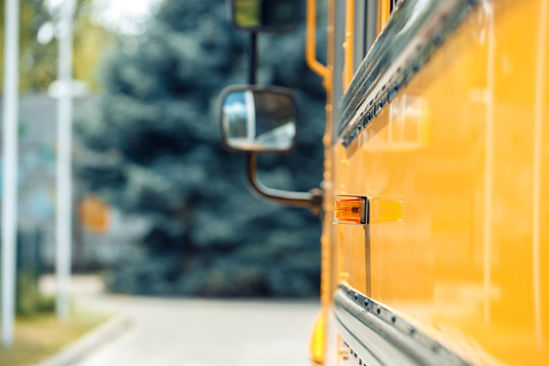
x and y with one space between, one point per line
264 15
255 119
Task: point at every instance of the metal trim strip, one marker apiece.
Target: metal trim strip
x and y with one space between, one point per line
375 333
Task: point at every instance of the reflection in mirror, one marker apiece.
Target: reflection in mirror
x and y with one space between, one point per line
273 15
259 120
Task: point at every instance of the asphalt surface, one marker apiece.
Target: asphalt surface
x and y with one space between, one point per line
201 332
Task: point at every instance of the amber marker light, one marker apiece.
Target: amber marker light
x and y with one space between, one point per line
351 210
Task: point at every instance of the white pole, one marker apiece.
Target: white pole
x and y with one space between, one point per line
64 148
9 176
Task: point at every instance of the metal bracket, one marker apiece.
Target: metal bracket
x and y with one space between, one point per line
312 199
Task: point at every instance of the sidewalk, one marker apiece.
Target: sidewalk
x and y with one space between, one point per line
200 332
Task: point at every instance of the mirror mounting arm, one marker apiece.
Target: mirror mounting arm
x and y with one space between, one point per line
311 199
252 61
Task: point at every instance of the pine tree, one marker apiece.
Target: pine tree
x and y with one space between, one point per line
161 158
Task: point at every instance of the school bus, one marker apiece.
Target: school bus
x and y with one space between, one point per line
435 194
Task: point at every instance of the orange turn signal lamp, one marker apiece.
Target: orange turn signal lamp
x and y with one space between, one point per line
351 210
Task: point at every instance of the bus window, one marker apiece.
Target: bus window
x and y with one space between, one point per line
369 18
339 56
365 29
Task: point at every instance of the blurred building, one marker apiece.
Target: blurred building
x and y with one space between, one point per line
36 190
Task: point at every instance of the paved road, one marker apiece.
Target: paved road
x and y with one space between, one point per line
200 332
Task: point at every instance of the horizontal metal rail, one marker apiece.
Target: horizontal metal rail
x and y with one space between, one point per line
378 336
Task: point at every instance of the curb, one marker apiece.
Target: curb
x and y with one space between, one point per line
88 343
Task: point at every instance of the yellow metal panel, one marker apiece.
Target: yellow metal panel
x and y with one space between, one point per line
317 347
464 148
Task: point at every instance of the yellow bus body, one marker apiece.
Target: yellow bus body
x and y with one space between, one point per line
457 163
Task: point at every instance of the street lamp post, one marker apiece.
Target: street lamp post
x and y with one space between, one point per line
64 148
9 174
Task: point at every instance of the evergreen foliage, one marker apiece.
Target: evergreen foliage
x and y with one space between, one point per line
160 158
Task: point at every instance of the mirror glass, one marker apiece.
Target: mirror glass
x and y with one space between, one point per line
259 120
265 15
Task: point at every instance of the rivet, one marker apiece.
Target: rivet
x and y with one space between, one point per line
356 297
412 331
366 302
393 318
378 310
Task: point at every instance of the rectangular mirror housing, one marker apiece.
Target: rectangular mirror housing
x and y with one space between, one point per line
277 16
